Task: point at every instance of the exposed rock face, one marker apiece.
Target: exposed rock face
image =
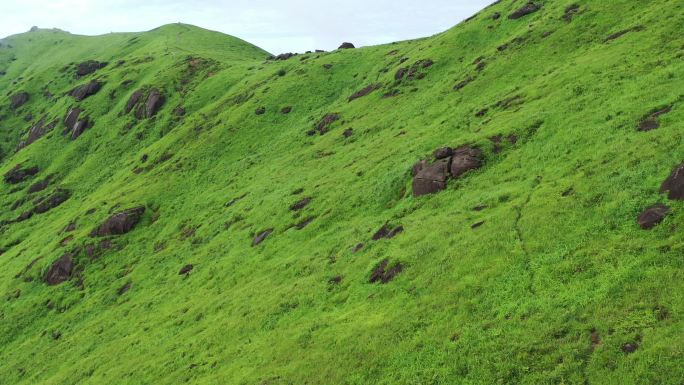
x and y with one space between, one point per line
53 200
652 216
88 67
36 132
19 174
39 186
82 92
135 98
527 9
19 99
284 56
120 223
650 121
80 126
430 179
323 125
152 104
261 237
347 46
387 232
383 273
60 271
186 269
71 118
365 91
674 184
155 101
300 204
443 152
465 159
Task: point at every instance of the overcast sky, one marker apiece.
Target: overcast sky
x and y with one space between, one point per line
274 25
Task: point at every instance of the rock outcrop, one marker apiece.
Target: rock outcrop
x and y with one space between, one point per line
119 223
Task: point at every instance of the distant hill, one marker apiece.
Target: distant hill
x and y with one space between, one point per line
496 204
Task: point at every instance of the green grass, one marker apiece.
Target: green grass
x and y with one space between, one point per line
514 301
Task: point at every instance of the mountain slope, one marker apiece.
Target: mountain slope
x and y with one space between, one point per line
530 269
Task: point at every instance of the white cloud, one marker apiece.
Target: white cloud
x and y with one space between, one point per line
277 26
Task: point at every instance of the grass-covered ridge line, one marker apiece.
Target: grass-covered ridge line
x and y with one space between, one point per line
258 187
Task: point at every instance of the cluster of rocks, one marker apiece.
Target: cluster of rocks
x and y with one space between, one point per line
145 104
36 132
89 66
385 272
414 71
432 177
84 91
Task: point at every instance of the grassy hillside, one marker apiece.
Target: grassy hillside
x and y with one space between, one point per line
531 269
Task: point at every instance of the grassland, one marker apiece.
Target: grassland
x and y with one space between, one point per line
555 287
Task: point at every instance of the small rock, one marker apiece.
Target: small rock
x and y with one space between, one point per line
261 237
82 92
346 46
260 111
88 67
120 223
652 216
60 271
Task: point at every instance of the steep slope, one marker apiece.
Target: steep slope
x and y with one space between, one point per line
275 245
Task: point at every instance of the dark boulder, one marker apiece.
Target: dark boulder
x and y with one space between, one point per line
80 127
88 67
674 184
420 165
261 237
19 99
401 72
120 223
126 287
51 201
39 186
133 101
36 132
19 174
431 178
260 111
60 271
465 159
652 216
346 46
155 101
527 9
284 56
387 232
443 152
83 91
71 118
384 273
348 132
286 110
630 347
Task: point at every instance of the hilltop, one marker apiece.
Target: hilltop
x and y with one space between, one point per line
498 203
